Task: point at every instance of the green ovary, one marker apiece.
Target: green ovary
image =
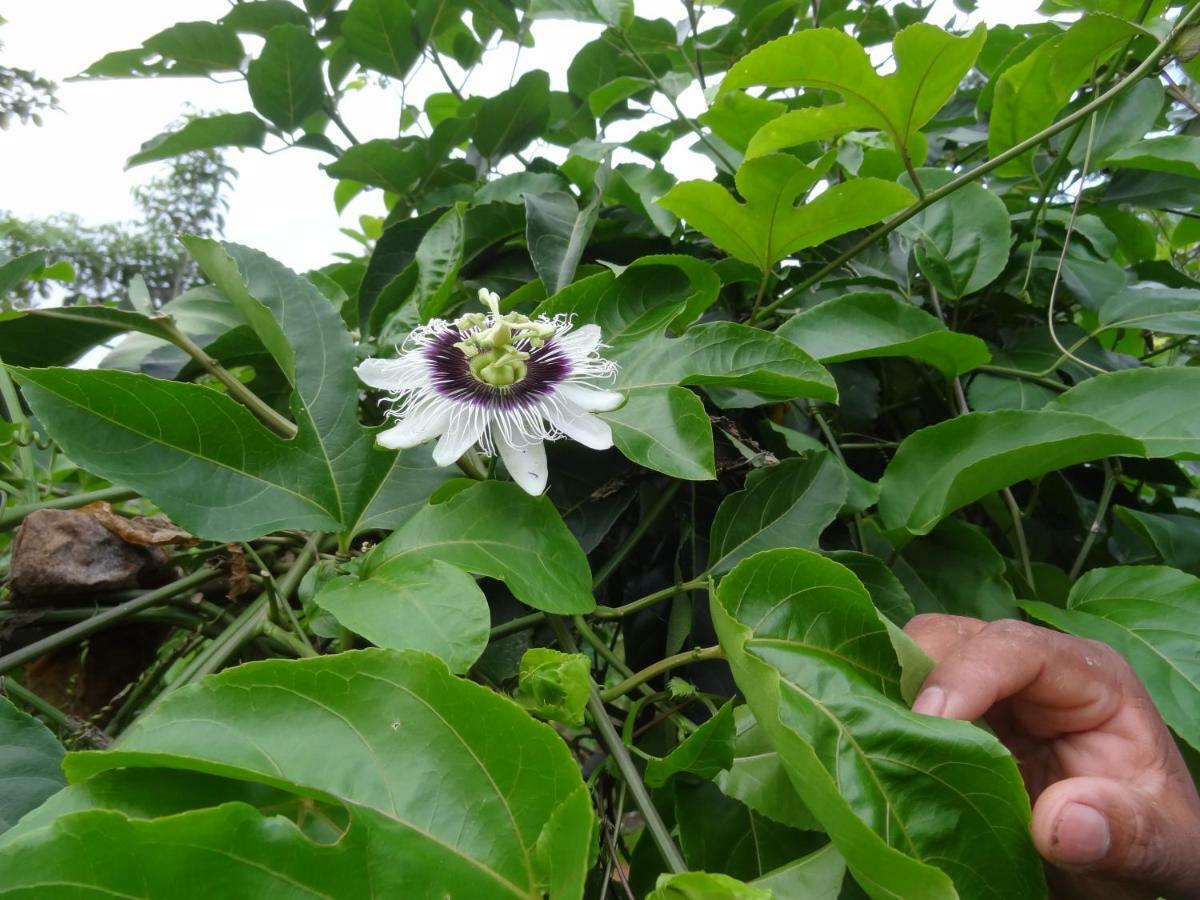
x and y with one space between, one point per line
499 368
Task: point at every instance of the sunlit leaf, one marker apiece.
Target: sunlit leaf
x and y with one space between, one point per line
930 63
769 225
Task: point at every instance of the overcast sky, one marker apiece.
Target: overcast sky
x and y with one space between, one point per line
283 203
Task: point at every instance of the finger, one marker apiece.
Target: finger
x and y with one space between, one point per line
939 635
1108 828
1069 684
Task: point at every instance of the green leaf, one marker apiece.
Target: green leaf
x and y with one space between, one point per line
30 764
1124 121
1148 614
1177 154
414 604
1175 538
439 257
554 685
929 66
286 81
988 393
817 667
604 98
735 117
946 466
1030 94
1119 399
887 592
705 886
200 47
383 35
956 569
507 122
787 505
260 16
1161 309
706 752
14 271
496 529
557 231
666 430
399 165
818 876
769 226
723 354
202 457
870 325
651 292
757 777
102 852
614 13
961 242
205 133
151 793
434 798
719 834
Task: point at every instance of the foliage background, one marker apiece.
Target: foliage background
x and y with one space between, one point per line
923 344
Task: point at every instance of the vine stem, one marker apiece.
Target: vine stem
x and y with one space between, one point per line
695 655
604 612
979 171
247 626
619 612
1019 532
616 748
89 626
15 514
1110 484
261 409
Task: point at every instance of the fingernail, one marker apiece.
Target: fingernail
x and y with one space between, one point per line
930 702
1081 836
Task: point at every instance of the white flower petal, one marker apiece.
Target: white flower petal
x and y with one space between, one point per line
384 374
465 428
416 427
590 399
526 464
582 340
582 427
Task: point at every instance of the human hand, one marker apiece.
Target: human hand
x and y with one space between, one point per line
1115 812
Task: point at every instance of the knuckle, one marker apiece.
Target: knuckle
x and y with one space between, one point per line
1011 631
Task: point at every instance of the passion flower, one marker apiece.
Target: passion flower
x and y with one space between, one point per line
505 382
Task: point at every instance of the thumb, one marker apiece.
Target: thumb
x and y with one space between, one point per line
1112 829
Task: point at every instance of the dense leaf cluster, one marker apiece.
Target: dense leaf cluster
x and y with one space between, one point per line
923 343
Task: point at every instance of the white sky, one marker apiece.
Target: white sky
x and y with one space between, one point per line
282 203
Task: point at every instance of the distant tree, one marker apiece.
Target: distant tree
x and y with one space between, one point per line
24 95
190 197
